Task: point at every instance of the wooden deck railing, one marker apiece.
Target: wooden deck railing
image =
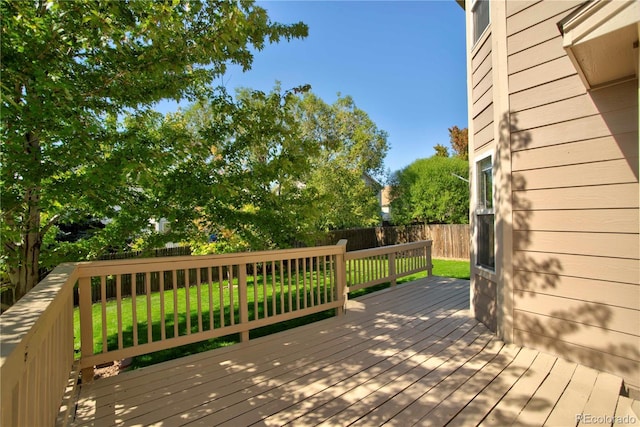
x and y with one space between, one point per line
201 297
370 267
185 300
37 351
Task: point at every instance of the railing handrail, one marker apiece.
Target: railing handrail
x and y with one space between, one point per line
383 250
140 265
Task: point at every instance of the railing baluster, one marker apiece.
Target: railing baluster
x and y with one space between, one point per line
311 289
297 283
324 276
149 318
242 301
211 307
119 308
332 269
187 298
289 282
174 283
304 281
199 292
232 304
134 308
281 278
86 324
265 298
221 296
255 292
103 309
163 325
317 272
273 289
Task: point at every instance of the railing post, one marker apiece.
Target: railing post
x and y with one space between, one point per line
427 254
392 268
341 273
86 325
243 298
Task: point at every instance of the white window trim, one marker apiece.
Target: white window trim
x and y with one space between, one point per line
478 210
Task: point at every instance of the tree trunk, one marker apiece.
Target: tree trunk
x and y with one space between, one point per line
29 256
29 251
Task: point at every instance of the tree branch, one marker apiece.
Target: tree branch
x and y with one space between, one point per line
49 224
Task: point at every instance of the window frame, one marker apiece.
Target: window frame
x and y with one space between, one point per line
474 7
485 207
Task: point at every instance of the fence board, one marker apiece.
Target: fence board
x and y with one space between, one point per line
450 241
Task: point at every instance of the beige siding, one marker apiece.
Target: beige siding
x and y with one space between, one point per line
483 86
541 74
621 146
514 7
586 267
617 319
578 243
482 102
599 102
575 202
585 220
590 290
484 301
591 197
536 55
595 126
555 91
542 31
596 173
537 14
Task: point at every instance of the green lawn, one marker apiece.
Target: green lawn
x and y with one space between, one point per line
276 300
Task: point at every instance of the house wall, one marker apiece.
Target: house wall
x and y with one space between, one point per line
480 64
572 193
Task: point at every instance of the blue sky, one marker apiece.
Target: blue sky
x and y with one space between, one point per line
403 62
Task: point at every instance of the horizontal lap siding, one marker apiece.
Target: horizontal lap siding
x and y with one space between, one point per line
482 94
575 201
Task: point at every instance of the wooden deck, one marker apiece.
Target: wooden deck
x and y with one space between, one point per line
404 356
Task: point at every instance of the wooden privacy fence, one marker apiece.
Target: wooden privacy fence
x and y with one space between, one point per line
199 297
450 241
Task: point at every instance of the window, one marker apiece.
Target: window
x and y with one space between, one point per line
480 11
485 218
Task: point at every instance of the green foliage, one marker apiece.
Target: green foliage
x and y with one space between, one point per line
351 150
428 191
441 151
79 80
278 167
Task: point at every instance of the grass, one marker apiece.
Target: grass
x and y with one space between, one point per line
272 303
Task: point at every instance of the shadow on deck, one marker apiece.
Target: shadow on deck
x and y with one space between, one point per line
403 356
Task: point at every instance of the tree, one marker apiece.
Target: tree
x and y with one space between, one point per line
429 191
286 165
459 139
76 78
253 159
351 148
441 151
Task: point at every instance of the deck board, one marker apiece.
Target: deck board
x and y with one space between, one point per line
409 355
